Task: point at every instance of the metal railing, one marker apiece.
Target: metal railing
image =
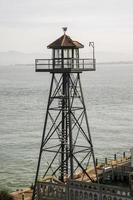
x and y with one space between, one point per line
77 190
66 63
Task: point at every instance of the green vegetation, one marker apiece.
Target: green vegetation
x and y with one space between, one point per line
5 195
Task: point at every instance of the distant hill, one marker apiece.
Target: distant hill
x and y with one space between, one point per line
113 57
16 57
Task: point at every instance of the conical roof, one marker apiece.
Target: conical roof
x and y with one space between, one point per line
65 42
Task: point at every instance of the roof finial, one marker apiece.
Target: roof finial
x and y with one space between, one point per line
64 29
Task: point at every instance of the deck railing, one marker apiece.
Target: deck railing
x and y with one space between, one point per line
76 190
87 64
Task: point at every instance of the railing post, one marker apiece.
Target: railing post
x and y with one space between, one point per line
115 157
67 191
83 63
48 64
96 161
106 161
22 196
100 192
124 155
53 63
35 64
94 64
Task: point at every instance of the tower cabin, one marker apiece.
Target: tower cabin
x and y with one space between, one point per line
65 57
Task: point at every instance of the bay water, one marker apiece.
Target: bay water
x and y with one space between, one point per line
108 94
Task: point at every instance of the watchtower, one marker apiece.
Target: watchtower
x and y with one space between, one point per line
66 150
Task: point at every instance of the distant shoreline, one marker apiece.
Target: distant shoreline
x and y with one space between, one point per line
98 63
19 65
119 62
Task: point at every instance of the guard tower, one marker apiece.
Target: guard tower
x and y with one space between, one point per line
66 150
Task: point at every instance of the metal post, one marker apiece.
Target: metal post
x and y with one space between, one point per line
96 161
106 161
22 196
115 157
124 155
93 53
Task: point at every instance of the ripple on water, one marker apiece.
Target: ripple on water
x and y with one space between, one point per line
108 96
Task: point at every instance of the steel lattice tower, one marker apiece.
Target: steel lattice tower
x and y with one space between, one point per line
66 148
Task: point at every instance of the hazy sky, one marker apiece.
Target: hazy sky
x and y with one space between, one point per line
30 25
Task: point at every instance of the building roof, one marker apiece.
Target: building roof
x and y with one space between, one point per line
65 42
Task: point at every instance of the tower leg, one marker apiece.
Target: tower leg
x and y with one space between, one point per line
92 150
44 129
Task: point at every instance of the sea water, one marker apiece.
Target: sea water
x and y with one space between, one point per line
108 94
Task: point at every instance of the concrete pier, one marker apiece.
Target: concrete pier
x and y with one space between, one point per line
114 170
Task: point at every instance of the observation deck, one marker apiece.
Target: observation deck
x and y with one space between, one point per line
64 65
